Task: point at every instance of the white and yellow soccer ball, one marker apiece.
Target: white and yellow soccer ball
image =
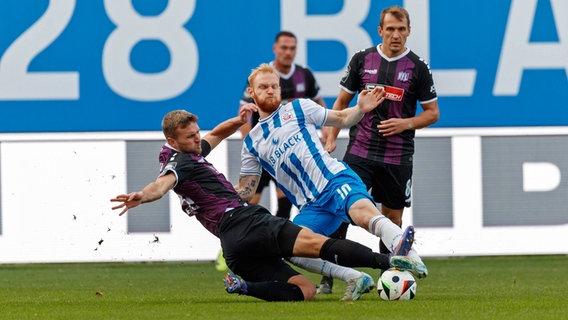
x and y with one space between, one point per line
394 284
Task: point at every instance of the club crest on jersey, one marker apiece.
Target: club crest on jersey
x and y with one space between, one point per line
287 115
403 76
301 87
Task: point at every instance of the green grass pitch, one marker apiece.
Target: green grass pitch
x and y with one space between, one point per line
512 287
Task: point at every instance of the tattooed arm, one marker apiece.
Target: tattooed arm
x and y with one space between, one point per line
247 186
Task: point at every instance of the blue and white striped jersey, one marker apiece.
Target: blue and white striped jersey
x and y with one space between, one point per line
287 146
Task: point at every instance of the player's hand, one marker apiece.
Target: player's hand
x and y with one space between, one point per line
394 126
245 112
129 201
330 145
370 99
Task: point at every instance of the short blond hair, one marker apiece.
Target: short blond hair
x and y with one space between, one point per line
176 119
263 68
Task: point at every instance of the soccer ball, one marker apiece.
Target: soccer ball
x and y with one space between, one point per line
394 284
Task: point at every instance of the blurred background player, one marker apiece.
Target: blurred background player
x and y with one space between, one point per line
381 145
296 81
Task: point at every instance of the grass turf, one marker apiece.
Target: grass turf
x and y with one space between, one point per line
516 287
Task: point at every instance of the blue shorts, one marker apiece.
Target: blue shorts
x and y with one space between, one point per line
325 215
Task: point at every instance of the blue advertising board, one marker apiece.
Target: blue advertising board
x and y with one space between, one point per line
120 65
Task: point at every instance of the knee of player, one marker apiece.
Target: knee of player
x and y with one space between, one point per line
362 211
309 292
308 244
395 216
307 288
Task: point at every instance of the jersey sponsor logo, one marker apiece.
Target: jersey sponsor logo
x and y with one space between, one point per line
393 93
371 86
371 71
285 146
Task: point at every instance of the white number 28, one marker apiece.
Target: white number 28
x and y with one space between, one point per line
18 83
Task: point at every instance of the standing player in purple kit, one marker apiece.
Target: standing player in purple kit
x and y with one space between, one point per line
381 145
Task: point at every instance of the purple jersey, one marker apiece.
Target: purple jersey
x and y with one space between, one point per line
203 191
409 80
298 83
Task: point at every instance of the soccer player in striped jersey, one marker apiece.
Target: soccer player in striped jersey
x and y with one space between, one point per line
296 81
381 145
285 144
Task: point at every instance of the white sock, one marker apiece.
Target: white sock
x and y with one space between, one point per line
385 229
390 234
325 268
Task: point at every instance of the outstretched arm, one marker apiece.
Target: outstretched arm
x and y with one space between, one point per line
366 101
324 130
228 127
247 186
341 102
151 192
